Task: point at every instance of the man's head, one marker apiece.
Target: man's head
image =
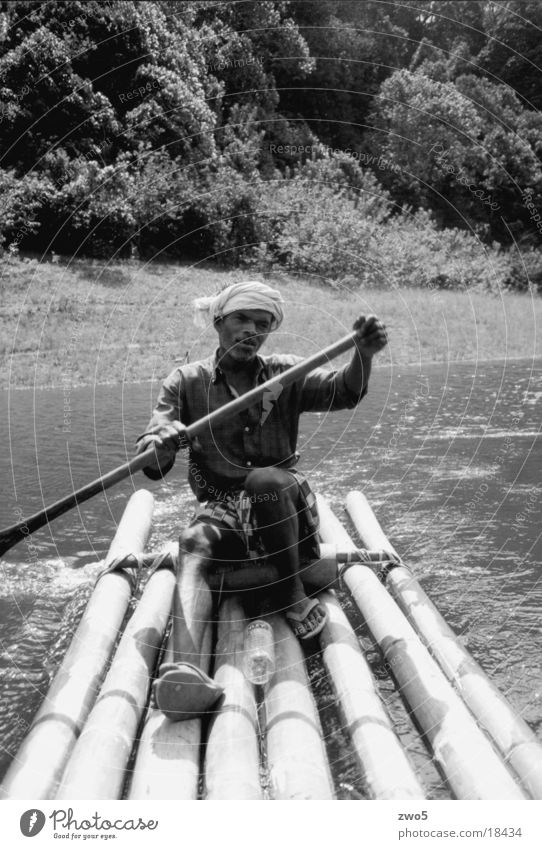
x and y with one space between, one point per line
243 315
242 333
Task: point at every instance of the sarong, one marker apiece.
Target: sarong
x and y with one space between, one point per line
236 511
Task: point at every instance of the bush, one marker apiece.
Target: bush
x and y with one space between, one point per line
523 270
410 251
321 220
219 221
328 230
21 200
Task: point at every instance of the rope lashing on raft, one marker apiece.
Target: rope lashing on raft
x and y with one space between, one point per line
163 560
132 564
381 561
128 565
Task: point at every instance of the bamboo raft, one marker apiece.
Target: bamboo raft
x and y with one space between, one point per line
96 735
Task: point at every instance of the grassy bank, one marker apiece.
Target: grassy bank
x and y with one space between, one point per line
86 322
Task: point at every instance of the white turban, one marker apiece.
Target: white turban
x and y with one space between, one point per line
250 295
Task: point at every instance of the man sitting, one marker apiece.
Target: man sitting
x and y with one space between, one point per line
254 502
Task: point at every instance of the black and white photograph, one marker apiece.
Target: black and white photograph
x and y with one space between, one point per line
271 279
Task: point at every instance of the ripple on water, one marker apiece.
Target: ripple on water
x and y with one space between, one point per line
450 434
33 642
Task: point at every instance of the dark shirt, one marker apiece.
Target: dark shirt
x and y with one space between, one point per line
263 435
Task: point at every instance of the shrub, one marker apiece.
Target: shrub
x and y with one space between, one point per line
219 220
523 269
332 232
20 202
321 220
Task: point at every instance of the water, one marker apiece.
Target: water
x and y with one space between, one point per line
448 455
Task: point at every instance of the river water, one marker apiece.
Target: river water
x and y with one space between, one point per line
449 456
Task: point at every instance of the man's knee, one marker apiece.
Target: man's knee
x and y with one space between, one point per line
201 539
271 484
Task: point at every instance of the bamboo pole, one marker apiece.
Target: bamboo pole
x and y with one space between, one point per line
298 767
40 761
317 575
513 737
472 767
232 761
382 760
98 762
167 764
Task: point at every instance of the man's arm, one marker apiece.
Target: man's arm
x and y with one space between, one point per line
370 339
165 430
326 390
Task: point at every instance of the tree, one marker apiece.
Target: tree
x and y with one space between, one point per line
513 49
355 46
256 51
45 102
466 149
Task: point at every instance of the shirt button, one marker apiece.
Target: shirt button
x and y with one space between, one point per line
249 463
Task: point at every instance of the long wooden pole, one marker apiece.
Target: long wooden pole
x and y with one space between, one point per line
515 740
382 760
167 763
232 763
317 575
472 767
14 534
98 761
297 760
41 759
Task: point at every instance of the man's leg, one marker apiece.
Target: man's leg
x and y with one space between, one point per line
183 690
275 498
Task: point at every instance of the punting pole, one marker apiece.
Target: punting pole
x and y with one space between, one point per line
381 758
512 735
97 764
298 767
40 761
472 767
232 761
167 764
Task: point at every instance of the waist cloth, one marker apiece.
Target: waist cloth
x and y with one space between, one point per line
236 511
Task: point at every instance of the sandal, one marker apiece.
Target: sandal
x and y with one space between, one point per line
185 692
301 629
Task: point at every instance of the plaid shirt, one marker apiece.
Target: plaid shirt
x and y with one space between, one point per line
263 435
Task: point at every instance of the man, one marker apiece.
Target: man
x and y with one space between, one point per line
254 501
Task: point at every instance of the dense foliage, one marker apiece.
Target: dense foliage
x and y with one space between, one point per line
396 143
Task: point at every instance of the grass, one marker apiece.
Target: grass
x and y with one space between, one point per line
85 322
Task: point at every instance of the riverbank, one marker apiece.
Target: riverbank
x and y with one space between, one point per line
86 322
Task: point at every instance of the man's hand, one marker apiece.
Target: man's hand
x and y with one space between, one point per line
371 335
170 437
167 440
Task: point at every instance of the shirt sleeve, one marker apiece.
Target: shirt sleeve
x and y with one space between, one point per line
326 390
168 409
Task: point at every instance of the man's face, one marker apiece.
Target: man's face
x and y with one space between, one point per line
242 333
